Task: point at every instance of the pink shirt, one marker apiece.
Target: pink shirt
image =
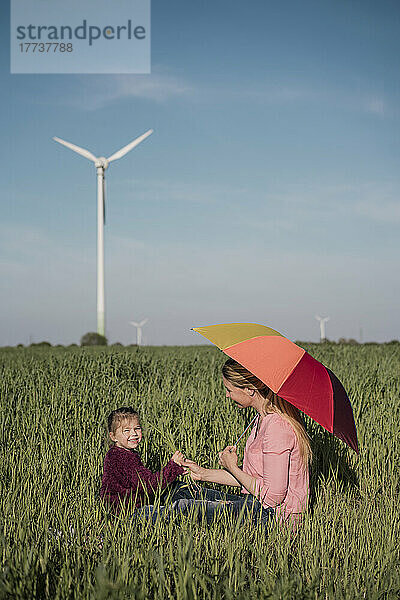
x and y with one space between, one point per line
273 459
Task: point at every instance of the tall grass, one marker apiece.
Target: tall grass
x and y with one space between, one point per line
54 403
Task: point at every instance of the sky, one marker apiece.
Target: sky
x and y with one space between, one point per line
268 193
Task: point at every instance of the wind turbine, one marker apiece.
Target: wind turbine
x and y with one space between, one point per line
101 163
138 330
322 321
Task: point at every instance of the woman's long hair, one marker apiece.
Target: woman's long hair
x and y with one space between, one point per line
240 377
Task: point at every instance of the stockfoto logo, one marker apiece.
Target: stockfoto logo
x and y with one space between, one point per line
80 36
91 33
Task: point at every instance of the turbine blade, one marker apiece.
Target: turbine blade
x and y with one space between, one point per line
77 149
134 323
129 146
143 322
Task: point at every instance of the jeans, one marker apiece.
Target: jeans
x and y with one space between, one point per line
188 498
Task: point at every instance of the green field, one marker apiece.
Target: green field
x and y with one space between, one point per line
53 408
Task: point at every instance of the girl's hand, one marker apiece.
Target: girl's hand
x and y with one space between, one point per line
228 458
178 458
196 472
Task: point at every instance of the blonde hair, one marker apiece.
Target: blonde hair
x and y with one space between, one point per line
240 377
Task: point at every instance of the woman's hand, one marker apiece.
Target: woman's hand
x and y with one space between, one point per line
196 472
178 458
228 458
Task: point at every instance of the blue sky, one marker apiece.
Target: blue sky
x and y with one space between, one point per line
269 191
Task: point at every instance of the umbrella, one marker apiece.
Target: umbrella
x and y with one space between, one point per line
290 372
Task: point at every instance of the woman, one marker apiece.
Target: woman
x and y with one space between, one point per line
274 476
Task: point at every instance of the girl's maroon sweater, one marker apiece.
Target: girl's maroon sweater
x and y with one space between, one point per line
125 477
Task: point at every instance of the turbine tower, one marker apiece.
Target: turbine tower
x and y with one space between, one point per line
101 165
322 321
138 330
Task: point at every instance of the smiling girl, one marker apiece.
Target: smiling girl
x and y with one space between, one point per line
125 478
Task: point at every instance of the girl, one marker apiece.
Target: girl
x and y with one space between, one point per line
274 477
125 478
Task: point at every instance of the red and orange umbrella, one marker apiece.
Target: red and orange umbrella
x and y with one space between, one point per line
290 372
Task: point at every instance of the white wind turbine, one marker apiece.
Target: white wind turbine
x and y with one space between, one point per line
322 321
101 165
138 330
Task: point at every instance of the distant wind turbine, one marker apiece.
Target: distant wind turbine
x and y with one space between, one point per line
322 321
101 165
138 330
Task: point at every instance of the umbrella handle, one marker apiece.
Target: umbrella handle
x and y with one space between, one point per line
249 425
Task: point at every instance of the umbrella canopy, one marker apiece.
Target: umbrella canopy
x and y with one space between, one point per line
290 372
